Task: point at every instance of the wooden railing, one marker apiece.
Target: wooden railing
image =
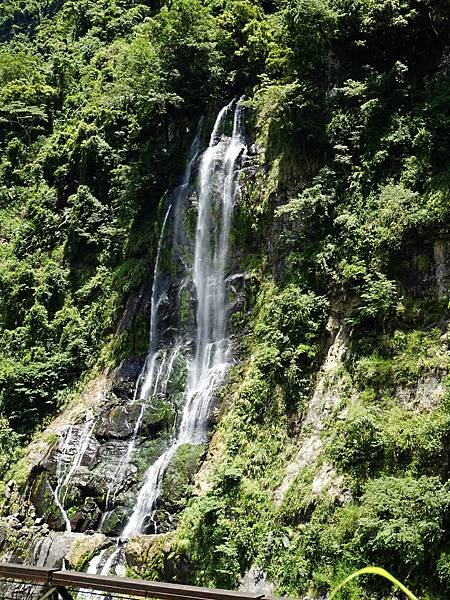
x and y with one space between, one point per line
64 584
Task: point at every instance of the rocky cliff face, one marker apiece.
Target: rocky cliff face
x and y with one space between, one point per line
325 447
82 477
313 410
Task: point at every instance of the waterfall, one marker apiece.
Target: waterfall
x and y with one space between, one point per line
218 184
63 449
147 382
201 265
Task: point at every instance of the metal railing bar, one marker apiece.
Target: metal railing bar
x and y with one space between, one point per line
152 589
117 585
26 573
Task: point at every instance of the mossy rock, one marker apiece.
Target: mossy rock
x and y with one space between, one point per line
158 416
190 221
83 549
42 497
177 382
185 304
115 521
147 453
86 516
20 472
153 557
179 479
73 497
19 544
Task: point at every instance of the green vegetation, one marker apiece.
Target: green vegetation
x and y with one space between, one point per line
345 213
353 197
97 103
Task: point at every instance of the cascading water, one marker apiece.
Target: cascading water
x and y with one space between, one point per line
203 346
160 361
218 183
72 447
147 383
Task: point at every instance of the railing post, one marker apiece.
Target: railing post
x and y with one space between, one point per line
64 593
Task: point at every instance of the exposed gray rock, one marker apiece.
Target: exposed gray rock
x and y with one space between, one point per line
13 522
123 378
118 422
327 479
426 394
3 535
442 266
9 488
255 581
91 399
91 455
321 407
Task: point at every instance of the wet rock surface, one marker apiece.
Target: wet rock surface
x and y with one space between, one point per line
124 377
99 475
82 460
113 520
426 271
441 252
41 495
118 422
152 557
178 485
87 516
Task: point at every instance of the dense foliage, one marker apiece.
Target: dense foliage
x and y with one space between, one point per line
97 100
350 110
347 100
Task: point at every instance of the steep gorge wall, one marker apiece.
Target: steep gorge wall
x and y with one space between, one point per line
330 447
290 456
332 473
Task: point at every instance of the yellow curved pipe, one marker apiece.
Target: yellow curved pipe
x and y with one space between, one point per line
374 571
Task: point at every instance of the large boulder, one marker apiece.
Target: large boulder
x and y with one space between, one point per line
154 557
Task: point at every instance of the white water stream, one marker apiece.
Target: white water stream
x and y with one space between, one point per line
218 188
160 361
218 185
72 447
